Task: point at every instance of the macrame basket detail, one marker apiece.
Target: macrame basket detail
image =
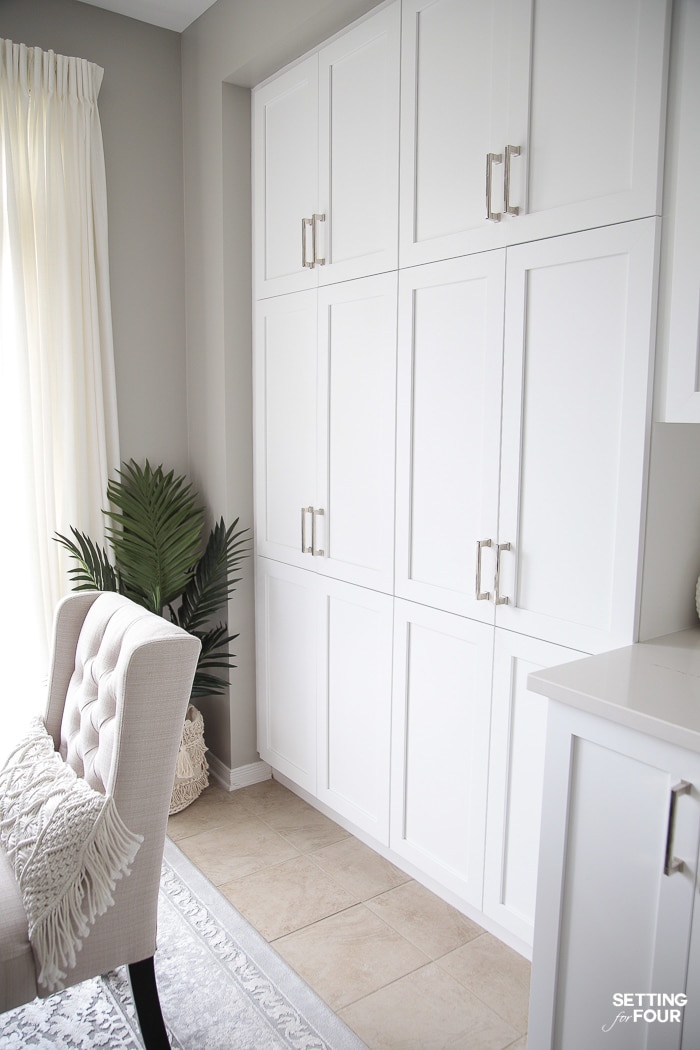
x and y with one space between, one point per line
191 770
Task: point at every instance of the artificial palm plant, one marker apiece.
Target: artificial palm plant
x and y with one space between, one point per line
160 561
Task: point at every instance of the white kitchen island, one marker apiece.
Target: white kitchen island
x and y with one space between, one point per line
616 959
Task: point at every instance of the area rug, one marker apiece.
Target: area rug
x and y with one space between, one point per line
222 987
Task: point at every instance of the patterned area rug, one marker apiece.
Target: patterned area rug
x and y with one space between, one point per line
222 987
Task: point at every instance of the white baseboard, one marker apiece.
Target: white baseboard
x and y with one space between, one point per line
241 776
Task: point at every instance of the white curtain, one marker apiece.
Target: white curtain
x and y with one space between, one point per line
58 416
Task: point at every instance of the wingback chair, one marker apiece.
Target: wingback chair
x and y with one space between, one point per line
118 690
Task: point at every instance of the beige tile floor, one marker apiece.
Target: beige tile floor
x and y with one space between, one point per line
403 969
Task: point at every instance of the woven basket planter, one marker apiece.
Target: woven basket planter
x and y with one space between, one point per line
191 771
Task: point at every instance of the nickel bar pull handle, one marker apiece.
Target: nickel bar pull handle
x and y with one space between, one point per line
304 511
316 512
481 596
673 864
304 261
491 159
500 599
314 220
511 151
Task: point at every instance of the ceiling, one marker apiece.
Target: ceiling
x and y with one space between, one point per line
169 14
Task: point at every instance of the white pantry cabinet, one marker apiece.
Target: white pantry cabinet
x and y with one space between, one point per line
516 772
679 328
324 382
324 689
610 919
567 490
522 119
325 169
440 736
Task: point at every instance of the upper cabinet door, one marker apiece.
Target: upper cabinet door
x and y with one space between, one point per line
576 395
359 87
597 115
464 83
285 180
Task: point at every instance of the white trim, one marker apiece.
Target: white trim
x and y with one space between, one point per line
241 776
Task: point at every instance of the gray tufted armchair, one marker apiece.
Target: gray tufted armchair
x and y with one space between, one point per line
119 685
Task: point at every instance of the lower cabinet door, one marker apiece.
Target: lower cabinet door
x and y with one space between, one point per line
440 732
354 712
616 884
516 770
288 618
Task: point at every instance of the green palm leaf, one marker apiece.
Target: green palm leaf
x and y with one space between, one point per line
215 655
93 571
213 582
154 532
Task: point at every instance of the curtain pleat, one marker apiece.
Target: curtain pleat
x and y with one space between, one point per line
58 411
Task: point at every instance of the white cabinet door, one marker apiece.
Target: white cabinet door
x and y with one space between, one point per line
464 92
286 425
359 86
440 732
679 328
355 709
569 98
516 771
576 388
285 178
597 115
609 920
448 427
288 623
357 397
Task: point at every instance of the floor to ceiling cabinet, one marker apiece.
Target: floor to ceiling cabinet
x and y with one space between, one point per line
451 411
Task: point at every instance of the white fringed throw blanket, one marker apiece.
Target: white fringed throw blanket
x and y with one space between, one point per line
67 845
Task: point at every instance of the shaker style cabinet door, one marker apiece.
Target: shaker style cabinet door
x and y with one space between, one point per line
359 85
464 97
616 883
285 180
448 428
285 376
440 733
326 162
576 397
288 612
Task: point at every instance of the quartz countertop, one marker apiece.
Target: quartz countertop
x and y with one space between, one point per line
652 686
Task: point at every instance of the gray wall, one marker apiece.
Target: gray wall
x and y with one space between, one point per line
140 108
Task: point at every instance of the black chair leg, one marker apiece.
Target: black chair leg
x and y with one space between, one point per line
145 991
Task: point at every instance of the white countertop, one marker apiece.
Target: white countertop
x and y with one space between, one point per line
652 686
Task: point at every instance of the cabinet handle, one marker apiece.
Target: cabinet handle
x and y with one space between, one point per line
511 151
304 512
481 596
315 511
500 599
304 261
316 218
491 159
671 863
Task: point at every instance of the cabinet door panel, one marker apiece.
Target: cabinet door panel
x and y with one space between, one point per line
357 392
596 114
449 389
516 771
285 177
286 435
578 341
455 97
608 918
442 671
287 629
355 718
359 84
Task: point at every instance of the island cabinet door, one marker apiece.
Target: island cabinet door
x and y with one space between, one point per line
616 885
